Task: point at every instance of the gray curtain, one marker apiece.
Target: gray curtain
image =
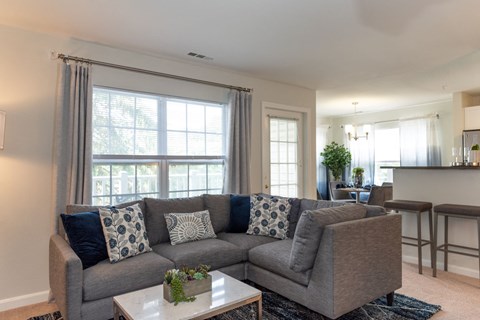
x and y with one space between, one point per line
237 166
72 154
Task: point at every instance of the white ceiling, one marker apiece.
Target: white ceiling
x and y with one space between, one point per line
382 53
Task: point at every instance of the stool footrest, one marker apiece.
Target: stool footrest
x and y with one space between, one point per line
442 248
424 242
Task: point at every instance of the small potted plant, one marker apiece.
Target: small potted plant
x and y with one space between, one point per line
336 158
184 283
475 154
358 177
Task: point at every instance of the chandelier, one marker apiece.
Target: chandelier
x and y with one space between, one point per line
355 132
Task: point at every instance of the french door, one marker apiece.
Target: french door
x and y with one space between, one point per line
283 153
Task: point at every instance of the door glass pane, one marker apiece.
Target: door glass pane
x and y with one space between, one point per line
283 157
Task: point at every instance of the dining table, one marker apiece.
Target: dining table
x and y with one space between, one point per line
356 190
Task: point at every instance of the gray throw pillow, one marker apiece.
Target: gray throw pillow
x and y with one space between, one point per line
310 230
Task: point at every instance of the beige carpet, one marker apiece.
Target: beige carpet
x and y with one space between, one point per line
458 295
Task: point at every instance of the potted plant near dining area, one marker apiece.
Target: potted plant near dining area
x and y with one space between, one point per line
336 158
358 177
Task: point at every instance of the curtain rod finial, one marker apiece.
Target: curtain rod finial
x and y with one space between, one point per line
53 55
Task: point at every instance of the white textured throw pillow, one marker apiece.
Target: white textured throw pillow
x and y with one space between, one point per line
186 227
269 216
124 231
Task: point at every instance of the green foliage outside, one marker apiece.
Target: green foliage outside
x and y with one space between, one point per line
475 147
336 158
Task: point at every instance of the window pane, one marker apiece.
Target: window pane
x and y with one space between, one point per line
100 140
147 179
176 116
197 177
122 110
196 118
196 144
214 119
147 113
121 141
101 110
146 142
214 144
176 143
215 176
178 177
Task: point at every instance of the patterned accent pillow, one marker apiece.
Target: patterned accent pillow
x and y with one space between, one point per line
186 227
125 233
269 216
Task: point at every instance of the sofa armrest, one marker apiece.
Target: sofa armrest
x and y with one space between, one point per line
357 262
66 277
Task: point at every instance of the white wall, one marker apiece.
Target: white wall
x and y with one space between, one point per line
27 93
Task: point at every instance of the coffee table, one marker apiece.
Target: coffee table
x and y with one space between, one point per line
227 294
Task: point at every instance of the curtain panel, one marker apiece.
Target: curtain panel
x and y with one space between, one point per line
237 166
420 142
72 154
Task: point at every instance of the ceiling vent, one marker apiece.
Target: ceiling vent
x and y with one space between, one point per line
200 56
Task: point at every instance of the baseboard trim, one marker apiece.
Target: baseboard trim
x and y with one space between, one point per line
451 267
22 301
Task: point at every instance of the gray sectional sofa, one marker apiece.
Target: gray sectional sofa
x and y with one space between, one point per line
329 267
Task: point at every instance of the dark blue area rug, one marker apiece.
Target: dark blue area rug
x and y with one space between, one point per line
276 307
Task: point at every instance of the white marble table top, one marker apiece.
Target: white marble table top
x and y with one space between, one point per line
148 304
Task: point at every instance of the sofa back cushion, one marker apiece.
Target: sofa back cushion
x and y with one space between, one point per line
310 230
219 207
307 204
156 208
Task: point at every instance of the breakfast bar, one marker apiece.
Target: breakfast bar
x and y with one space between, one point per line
439 185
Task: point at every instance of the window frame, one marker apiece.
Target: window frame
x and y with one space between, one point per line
162 160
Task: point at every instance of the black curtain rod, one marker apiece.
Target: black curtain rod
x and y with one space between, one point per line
65 58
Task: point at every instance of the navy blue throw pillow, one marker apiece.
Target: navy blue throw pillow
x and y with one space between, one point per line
239 214
85 234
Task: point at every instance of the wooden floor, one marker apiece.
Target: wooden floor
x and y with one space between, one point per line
458 295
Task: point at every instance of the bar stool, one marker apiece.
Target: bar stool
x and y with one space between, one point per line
455 211
417 207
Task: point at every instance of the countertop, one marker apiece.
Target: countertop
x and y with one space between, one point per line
433 167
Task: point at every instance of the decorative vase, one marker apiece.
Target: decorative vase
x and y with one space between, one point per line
190 288
358 182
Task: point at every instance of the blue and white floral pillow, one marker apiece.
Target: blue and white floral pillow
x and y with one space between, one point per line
125 233
269 216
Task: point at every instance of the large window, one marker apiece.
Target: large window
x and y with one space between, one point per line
155 146
387 150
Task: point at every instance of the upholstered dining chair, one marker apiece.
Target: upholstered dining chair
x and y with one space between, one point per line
339 195
380 194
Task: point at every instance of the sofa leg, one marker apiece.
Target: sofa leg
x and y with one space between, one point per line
390 298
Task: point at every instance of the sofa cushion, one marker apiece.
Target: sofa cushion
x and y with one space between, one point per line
124 231
108 280
307 204
85 236
374 210
310 229
269 216
245 241
274 257
219 207
239 213
213 252
186 227
156 208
